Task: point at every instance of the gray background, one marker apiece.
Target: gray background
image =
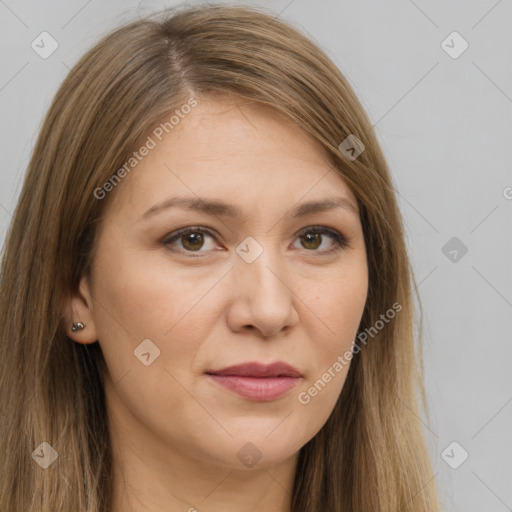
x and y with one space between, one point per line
445 125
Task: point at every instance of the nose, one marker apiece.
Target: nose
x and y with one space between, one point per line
261 295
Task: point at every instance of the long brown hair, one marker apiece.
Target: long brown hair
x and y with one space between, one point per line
370 455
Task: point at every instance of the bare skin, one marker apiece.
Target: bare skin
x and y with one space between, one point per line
180 440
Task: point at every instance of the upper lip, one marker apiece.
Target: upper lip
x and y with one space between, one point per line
255 369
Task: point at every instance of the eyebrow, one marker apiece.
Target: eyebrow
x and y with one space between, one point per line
221 209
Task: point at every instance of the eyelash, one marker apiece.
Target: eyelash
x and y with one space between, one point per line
340 241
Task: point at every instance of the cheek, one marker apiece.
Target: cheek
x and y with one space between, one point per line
338 303
147 296
145 308
338 308
142 299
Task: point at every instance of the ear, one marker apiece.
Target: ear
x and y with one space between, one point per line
78 307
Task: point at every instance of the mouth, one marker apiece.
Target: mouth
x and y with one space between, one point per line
256 381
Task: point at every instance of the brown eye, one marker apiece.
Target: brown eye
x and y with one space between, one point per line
312 238
195 240
192 240
312 241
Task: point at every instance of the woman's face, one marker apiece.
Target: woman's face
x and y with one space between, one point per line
249 282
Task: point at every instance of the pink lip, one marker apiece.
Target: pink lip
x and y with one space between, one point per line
257 381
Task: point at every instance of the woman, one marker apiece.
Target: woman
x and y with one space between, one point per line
206 296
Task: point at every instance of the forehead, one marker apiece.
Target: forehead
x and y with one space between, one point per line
236 150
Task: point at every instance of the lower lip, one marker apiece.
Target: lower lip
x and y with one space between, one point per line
259 389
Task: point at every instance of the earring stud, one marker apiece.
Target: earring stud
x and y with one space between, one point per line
78 326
